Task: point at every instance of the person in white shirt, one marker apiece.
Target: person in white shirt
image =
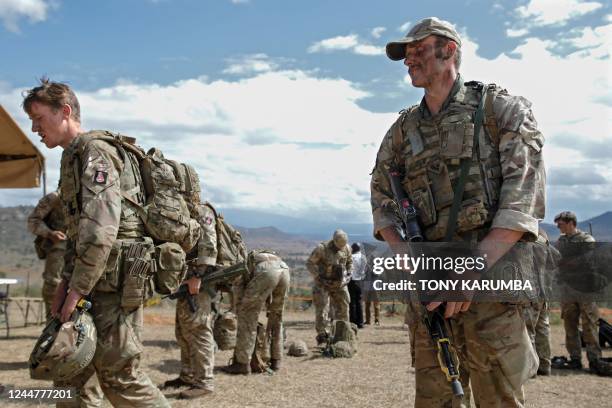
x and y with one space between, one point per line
358 275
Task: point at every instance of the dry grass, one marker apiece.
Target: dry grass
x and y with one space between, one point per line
379 376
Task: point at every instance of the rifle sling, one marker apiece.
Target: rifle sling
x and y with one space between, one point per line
465 167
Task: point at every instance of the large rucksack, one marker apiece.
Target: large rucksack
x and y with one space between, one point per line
230 246
165 214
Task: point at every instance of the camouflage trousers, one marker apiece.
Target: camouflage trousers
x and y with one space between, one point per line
266 283
194 335
334 300
117 358
538 327
48 293
368 312
589 314
52 275
495 356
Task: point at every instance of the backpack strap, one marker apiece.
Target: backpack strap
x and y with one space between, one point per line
490 122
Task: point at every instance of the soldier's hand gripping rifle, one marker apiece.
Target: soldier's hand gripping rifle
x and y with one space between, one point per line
210 278
434 320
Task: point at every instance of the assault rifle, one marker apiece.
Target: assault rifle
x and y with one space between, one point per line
434 320
210 278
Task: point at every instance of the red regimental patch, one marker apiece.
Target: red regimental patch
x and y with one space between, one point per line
101 177
208 220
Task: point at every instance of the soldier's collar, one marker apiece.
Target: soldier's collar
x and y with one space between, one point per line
457 85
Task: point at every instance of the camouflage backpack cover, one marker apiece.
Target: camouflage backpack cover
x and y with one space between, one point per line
224 332
230 246
165 213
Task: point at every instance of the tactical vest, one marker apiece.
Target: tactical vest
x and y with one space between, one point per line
332 257
430 150
130 225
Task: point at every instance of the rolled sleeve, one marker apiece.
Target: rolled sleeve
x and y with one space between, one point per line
523 190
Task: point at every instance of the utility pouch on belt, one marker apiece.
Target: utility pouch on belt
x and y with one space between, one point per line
109 281
171 267
42 246
136 272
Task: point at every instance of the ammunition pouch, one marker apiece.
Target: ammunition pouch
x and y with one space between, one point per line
170 268
136 269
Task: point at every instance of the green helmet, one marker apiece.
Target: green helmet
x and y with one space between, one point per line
64 350
298 348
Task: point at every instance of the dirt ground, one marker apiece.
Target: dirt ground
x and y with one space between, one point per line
380 374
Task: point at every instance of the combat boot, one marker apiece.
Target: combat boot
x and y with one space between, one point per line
322 338
275 364
195 392
177 382
237 368
542 370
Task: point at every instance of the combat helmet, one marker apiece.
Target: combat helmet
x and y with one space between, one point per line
298 348
64 349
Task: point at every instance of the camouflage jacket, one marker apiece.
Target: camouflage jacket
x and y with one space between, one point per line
325 256
47 216
505 186
92 179
205 252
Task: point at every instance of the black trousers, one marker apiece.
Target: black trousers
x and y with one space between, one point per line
355 308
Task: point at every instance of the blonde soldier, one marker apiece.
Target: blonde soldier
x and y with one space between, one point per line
101 226
573 312
501 203
47 222
267 283
330 265
194 330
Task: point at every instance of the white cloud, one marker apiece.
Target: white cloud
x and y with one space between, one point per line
405 27
240 1
250 64
377 31
555 12
512 33
11 11
284 141
343 43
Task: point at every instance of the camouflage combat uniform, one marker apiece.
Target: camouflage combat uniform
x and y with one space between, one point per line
536 317
194 331
505 189
47 217
102 227
267 283
326 294
572 312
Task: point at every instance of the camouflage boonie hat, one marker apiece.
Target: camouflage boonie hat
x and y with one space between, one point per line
298 348
566 216
396 50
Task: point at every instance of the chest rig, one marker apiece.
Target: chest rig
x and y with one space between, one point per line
71 187
432 151
333 261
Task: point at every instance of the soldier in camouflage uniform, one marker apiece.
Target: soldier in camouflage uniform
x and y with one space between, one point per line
101 226
267 283
573 312
330 265
194 331
47 222
501 203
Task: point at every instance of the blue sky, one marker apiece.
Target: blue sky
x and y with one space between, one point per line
281 105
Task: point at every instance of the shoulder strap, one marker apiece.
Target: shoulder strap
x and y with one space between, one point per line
465 167
490 122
